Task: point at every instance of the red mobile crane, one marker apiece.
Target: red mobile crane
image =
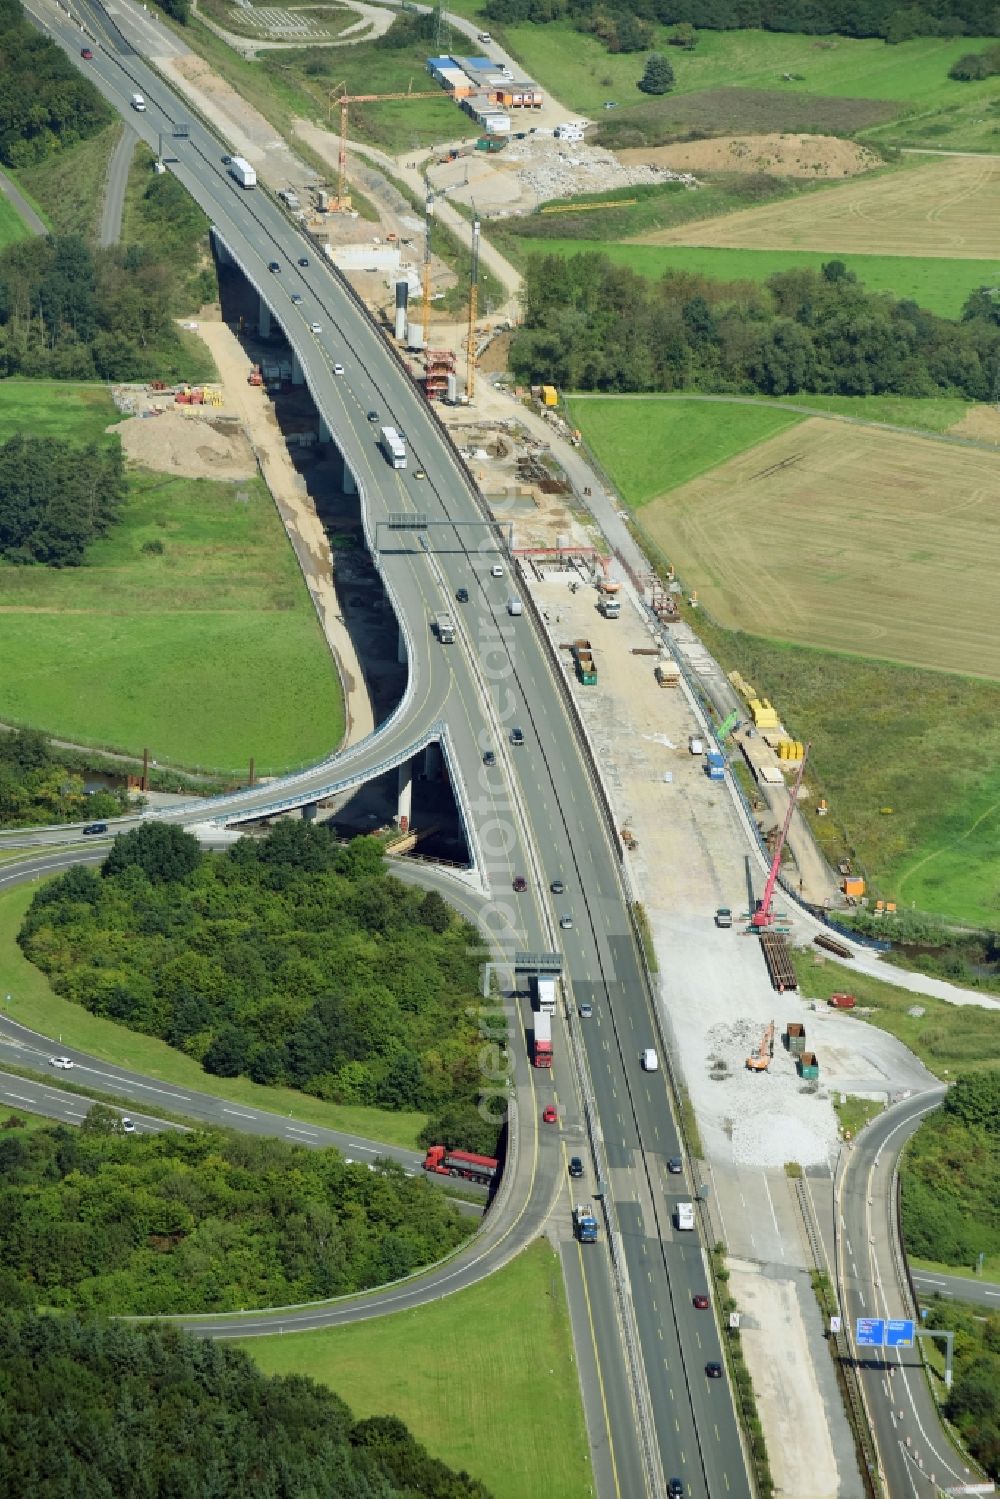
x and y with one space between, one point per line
763 915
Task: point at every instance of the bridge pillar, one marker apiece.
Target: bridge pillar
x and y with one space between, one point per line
401 655
263 318
222 251
309 811
298 378
325 435
404 804
350 484
432 762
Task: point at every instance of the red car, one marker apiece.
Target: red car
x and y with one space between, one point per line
549 1115
701 1303
86 53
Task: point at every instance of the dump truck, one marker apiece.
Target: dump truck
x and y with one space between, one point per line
583 655
444 628
585 1223
542 1051
795 1037
474 1168
808 1064
243 172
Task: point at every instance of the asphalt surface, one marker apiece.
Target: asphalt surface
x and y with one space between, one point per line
915 1454
24 209
537 813
114 188
931 1283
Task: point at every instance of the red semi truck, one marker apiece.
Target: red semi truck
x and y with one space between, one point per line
475 1168
543 1039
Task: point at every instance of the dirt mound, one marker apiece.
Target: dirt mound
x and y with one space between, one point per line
179 444
780 155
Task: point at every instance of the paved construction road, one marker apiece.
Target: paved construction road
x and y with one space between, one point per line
539 812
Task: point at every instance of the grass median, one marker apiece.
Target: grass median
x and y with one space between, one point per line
32 1002
485 1378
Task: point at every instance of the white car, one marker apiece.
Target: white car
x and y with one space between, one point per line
338 369
315 328
496 570
63 1063
128 1125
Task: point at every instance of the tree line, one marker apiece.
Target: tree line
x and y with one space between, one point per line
39 786
288 959
94 1220
951 1176
628 25
592 325
94 1408
56 497
45 104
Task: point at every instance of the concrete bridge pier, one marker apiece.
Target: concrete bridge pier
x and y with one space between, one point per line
263 318
404 804
309 811
432 763
298 378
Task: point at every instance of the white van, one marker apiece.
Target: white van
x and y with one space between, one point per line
138 103
650 1061
514 606
496 571
696 744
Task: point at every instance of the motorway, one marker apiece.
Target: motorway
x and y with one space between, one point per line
538 813
915 1454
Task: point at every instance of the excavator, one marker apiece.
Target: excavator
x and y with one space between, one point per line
760 1060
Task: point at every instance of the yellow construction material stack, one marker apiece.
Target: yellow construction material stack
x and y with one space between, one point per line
791 749
763 713
747 689
550 396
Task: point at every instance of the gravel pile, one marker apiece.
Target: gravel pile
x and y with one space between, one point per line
771 1117
560 169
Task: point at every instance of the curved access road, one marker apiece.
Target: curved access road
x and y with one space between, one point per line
916 1455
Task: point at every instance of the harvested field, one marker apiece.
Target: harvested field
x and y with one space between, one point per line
871 542
950 208
778 155
754 110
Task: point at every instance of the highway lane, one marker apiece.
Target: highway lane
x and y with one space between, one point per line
915 1454
931 1283
548 792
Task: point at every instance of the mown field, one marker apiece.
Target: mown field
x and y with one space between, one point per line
32 1002
945 208
850 538
942 286
486 1378
194 598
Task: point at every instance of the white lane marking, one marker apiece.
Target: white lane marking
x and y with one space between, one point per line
239 1113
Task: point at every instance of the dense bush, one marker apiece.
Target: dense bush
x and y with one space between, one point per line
203 1221
951 1176
974 65
94 1409
592 325
57 497
45 105
973 1403
39 786
289 959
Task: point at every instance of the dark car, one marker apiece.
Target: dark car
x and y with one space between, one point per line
517 736
86 54
713 1370
575 1166
273 265
462 595
373 416
675 1489
700 1303
489 758
675 1165
303 260
227 161
557 887
520 883
96 827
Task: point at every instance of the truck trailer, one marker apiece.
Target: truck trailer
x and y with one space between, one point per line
684 1215
542 1052
243 172
474 1168
544 995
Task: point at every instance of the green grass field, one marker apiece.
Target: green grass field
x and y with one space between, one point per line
486 1378
691 438
949 1039
582 74
941 286
102 654
33 1003
12 226
68 187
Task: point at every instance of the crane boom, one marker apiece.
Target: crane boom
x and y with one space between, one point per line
763 916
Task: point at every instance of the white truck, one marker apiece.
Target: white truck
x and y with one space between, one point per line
244 173
444 628
684 1215
545 995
